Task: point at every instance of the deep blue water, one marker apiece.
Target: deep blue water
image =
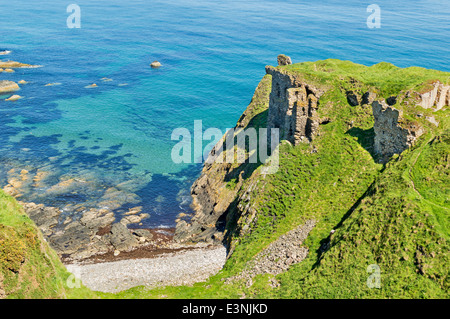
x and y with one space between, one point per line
213 55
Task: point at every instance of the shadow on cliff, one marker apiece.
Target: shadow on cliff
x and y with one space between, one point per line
365 138
246 169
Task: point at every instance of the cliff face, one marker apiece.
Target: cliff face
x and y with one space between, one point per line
438 97
293 106
391 137
213 193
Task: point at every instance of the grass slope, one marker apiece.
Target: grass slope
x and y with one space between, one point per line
394 215
29 268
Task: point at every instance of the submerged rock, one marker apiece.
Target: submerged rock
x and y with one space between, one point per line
14 64
14 98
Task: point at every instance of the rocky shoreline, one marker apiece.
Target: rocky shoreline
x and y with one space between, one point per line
176 268
96 237
108 228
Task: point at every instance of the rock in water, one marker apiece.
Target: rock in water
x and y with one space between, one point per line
8 86
14 98
284 60
155 64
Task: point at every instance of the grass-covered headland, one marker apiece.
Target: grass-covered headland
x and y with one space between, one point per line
392 215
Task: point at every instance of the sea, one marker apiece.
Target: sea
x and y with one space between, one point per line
74 145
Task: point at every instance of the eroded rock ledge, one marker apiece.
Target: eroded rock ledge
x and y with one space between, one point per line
96 232
293 106
393 135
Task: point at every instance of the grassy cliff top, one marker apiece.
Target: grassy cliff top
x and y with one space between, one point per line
29 268
385 78
394 216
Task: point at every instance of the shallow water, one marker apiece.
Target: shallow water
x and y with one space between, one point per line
118 135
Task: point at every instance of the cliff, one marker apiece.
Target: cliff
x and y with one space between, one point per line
356 143
357 209
289 98
29 268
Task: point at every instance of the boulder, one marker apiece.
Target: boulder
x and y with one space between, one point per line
284 60
14 64
8 86
14 98
392 100
95 219
142 234
121 238
352 98
155 64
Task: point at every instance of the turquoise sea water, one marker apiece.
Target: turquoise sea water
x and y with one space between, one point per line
118 134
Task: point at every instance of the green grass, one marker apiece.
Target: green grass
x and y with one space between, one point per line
393 215
29 268
378 216
392 227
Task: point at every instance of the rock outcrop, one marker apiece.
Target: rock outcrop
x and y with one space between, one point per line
292 103
14 64
212 194
8 86
293 106
96 232
155 64
393 134
284 60
437 98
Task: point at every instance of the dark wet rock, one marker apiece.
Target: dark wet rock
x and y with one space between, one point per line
368 98
352 98
392 100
